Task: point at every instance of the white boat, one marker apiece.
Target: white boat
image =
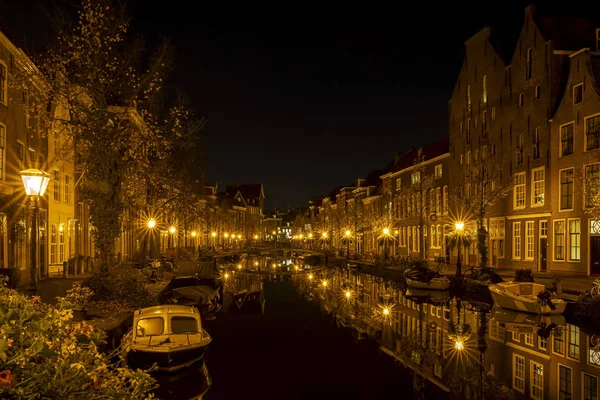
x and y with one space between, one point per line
442 283
519 322
526 297
170 336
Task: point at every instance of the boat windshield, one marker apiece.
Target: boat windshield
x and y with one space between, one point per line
150 326
184 325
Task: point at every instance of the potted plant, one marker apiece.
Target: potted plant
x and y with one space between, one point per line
78 296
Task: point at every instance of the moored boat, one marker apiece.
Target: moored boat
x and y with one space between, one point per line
519 322
526 297
421 277
170 336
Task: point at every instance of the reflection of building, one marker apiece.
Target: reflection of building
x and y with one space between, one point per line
244 291
458 348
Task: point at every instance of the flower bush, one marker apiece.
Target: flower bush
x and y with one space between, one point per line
45 354
79 295
114 283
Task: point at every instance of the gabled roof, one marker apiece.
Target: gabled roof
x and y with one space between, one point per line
568 32
407 159
373 178
332 195
253 191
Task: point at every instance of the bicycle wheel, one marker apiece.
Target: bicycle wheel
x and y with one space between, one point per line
167 266
595 292
160 274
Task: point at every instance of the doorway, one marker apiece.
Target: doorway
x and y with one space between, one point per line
594 255
543 246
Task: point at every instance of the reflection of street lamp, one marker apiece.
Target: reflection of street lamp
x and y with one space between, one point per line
459 227
172 231
35 182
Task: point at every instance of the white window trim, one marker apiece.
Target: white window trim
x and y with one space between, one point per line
558 365
584 196
568 239
560 189
513 242
533 187
531 372
5 99
560 139
583 374
554 221
524 191
585 150
513 373
573 94
525 257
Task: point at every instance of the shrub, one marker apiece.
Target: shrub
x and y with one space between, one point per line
79 295
42 355
523 275
116 283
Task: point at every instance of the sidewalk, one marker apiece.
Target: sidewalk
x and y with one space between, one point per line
51 288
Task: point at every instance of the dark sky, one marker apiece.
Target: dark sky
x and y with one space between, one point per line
306 97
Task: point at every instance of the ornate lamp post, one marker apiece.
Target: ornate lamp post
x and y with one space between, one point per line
459 227
386 237
151 225
347 234
35 181
214 236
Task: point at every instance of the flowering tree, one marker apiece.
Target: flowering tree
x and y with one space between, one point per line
43 355
102 96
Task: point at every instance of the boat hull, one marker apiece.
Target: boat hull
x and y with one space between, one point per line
168 361
433 284
531 306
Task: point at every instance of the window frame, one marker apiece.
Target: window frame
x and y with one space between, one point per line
529 63
514 236
554 241
532 236
533 171
4 84
573 93
585 182
560 140
583 373
585 133
568 236
532 363
558 379
517 174
560 171
514 375
3 153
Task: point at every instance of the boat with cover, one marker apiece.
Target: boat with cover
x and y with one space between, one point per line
526 297
170 336
421 277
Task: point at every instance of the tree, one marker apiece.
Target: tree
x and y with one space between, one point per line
484 186
420 195
109 94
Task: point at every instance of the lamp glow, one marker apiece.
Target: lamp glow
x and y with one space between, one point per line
226 275
172 229
213 234
347 233
386 231
255 236
386 311
151 223
194 233
35 181
310 236
459 226
458 345
347 294
324 283
310 276
324 235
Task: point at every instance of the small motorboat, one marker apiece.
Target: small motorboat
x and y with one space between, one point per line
170 336
421 277
526 297
203 292
519 322
427 296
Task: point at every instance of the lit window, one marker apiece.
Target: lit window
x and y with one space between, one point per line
575 240
566 189
537 185
537 381
484 94
438 171
519 190
529 245
468 97
559 241
592 184
516 239
518 373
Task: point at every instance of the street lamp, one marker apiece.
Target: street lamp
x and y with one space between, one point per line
35 181
459 227
172 230
347 235
151 223
386 236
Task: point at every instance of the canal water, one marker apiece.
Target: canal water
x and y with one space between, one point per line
338 333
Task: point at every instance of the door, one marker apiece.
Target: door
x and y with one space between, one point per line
543 254
594 255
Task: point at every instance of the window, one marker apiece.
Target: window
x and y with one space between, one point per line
438 171
67 188
468 97
516 336
559 240
565 391
20 151
516 250
573 341
592 133
398 183
577 94
3 83
484 93
484 123
2 149
518 373
592 182
153 326
61 243
181 325
558 345
590 387
529 339
461 159
536 144
56 185
493 113
31 155
519 190
529 63
574 240
520 149
468 131
542 343
521 100
538 92
53 244
468 158
415 177
566 140
438 203
445 198
537 381
537 186
566 189
529 243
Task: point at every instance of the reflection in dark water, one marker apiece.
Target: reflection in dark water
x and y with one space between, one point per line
463 345
193 383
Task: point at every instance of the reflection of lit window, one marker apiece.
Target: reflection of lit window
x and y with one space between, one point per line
537 381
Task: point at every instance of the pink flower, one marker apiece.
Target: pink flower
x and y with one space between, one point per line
36 299
6 377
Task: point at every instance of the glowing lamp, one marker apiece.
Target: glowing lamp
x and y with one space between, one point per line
151 223
386 231
213 234
386 311
347 294
172 229
194 233
458 345
459 226
35 181
347 233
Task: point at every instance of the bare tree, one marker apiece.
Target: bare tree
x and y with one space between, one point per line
484 185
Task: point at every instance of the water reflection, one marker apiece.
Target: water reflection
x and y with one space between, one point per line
192 384
460 343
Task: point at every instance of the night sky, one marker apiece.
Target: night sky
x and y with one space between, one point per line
306 99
